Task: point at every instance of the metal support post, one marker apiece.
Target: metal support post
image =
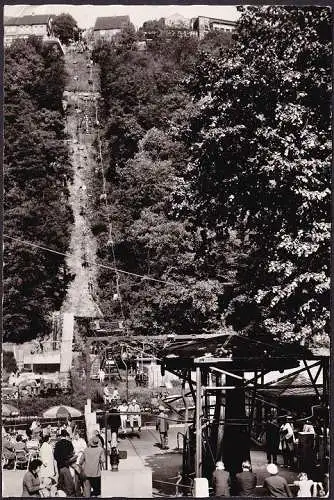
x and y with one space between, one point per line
88 367
198 458
106 438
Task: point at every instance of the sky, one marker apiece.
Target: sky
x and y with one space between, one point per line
86 14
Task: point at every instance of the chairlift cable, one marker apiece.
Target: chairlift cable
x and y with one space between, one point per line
46 249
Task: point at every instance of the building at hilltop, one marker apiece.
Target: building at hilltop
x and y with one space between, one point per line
203 25
177 25
107 27
25 26
176 21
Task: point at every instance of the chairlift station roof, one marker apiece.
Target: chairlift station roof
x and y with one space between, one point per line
233 352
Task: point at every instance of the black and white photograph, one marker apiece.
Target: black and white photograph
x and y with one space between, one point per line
166 250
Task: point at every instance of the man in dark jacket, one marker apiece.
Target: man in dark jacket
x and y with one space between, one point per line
246 481
221 481
70 478
272 440
113 422
275 485
162 426
63 450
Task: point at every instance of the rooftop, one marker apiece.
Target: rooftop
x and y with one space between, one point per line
27 20
111 23
238 352
222 21
294 385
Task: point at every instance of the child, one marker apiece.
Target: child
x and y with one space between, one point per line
305 484
114 455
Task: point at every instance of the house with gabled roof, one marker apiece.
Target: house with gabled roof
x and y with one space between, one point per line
107 27
25 26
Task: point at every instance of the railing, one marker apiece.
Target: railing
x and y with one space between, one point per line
178 485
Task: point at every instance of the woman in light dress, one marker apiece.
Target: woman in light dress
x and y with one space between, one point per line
48 469
79 445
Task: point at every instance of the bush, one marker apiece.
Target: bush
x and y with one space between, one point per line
9 362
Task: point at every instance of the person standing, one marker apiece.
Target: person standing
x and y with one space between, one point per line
114 455
114 422
221 481
162 426
275 485
79 445
92 461
134 408
8 451
272 432
48 467
63 450
246 481
70 478
123 408
287 442
102 375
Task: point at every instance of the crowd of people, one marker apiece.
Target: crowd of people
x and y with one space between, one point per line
127 412
245 483
59 461
304 446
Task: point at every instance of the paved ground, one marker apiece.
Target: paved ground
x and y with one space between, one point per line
144 451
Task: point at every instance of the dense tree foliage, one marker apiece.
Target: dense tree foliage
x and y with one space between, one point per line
144 101
260 166
65 28
36 166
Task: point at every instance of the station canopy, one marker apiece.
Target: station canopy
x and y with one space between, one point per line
232 351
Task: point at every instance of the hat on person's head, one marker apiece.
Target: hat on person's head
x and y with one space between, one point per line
246 465
134 401
220 465
161 408
64 433
289 417
94 442
272 469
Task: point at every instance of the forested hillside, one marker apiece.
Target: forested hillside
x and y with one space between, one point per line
145 102
218 179
36 166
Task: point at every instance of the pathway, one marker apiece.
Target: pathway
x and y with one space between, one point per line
80 96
